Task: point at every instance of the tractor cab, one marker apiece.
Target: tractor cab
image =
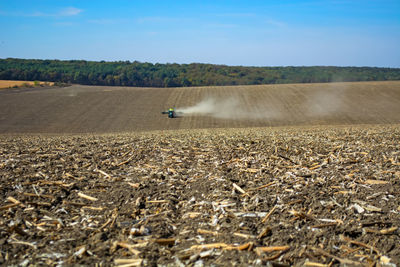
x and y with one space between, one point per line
171 113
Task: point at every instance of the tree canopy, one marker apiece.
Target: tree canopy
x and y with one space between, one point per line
126 73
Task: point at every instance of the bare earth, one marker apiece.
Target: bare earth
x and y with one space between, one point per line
85 181
86 109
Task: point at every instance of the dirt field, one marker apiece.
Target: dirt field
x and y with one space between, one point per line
85 109
321 189
9 84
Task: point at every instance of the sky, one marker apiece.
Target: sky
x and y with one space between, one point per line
236 32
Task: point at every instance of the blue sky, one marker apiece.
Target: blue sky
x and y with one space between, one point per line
248 33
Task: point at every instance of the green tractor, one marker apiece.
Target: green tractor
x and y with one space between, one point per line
171 113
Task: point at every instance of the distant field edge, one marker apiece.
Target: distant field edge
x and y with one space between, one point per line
4 84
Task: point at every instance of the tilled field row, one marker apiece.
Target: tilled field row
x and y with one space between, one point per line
313 196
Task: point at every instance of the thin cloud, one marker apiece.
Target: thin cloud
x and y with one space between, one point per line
64 24
276 23
222 25
70 11
160 19
65 12
103 21
107 21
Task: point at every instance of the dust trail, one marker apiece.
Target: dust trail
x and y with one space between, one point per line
324 103
228 108
312 105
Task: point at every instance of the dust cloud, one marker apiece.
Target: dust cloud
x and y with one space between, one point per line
325 102
310 104
228 108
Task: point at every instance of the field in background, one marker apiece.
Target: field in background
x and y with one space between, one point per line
11 84
100 109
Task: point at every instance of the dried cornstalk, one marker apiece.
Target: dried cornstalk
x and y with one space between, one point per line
375 182
208 246
191 215
80 251
157 201
246 246
137 262
15 241
261 250
9 206
124 162
264 232
269 214
246 236
238 188
361 244
129 247
104 173
34 195
265 186
124 262
315 264
301 215
136 185
342 261
207 232
82 195
387 231
13 200
93 208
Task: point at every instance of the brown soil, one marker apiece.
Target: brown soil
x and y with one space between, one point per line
90 109
312 195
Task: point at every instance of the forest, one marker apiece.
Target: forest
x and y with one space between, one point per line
126 73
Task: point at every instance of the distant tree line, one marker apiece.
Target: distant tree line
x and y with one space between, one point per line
125 73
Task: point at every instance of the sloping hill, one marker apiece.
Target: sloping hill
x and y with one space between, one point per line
95 109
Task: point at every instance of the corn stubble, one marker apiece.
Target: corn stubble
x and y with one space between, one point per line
313 196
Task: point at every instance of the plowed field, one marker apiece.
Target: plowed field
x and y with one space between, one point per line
88 109
90 176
